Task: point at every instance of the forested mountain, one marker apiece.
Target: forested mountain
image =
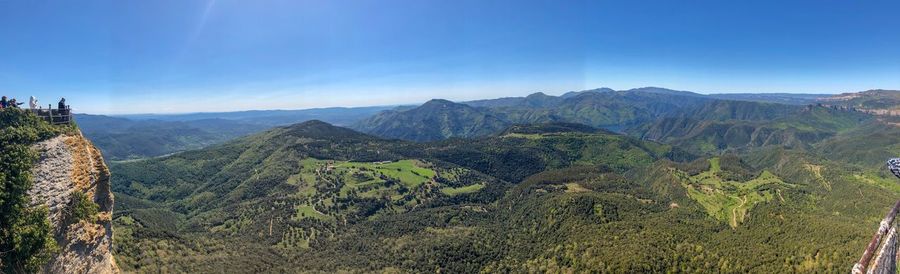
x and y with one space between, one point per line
720 125
608 109
440 119
436 119
531 197
866 145
636 111
552 127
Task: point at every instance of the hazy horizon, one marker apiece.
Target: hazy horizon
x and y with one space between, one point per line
415 103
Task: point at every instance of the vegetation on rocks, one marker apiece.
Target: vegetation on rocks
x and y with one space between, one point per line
83 208
26 240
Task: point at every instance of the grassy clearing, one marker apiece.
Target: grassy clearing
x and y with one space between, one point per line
453 191
307 211
730 201
411 173
368 179
526 136
575 187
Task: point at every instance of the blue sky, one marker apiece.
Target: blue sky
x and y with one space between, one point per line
186 56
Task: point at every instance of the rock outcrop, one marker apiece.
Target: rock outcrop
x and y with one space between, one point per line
69 168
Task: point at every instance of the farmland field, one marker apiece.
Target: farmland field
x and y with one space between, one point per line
730 201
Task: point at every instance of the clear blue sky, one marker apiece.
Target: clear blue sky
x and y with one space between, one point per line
186 56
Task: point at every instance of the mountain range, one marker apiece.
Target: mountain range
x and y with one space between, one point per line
645 180
129 137
622 111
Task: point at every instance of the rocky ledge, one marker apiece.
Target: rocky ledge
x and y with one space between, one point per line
72 180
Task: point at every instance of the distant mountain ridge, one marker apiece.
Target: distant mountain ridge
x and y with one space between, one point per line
440 119
627 110
436 119
576 93
878 102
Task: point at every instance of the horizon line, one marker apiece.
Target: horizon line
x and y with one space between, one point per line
456 101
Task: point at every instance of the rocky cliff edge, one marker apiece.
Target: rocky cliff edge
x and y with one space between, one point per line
69 175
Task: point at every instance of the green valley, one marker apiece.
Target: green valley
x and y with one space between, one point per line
533 197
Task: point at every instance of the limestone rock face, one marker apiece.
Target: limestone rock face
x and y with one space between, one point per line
70 164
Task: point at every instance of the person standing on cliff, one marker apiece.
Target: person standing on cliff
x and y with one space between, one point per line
3 102
32 103
62 103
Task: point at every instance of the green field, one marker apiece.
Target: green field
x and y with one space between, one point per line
306 211
730 201
411 173
451 191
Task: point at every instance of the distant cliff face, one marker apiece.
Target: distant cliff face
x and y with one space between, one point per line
72 180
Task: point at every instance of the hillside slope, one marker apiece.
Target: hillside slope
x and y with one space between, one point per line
722 125
274 193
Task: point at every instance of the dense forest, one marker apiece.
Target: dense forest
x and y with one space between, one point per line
748 187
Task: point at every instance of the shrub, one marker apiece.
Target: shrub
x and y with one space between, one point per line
82 208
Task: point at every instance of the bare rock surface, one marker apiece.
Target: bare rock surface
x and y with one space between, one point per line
52 177
70 164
